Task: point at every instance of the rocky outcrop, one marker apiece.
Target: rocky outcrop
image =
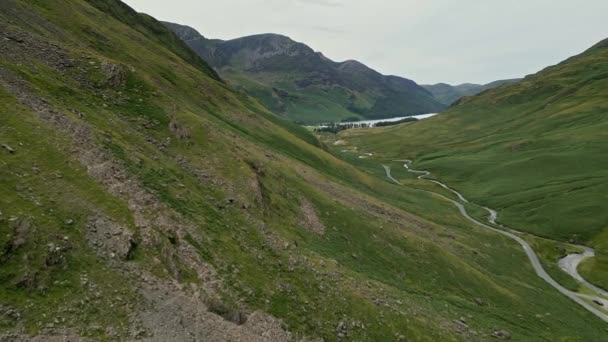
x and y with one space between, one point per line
109 239
115 74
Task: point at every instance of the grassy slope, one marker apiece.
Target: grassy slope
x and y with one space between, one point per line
310 105
321 103
400 262
535 150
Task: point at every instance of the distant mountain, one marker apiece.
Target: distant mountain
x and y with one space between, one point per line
293 80
448 94
143 199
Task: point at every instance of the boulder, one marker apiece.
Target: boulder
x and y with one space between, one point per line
116 75
501 335
8 148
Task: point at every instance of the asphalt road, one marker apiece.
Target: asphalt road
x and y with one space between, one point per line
492 216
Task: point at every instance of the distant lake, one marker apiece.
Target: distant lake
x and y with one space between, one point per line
373 123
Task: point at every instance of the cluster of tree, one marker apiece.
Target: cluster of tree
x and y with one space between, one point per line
391 123
351 119
335 128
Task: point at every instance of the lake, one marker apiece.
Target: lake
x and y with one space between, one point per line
373 123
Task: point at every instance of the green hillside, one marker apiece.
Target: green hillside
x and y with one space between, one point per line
142 198
535 150
448 94
303 85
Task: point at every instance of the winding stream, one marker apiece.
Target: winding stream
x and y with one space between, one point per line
569 263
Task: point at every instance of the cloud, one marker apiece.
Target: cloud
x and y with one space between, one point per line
428 41
328 29
326 3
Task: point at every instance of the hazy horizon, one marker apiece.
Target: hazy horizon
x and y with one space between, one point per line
428 42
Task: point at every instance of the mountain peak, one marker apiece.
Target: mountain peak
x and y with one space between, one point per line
289 76
269 44
352 65
186 33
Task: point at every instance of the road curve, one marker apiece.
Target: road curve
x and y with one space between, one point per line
538 268
569 264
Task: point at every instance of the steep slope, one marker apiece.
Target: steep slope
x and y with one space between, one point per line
448 94
535 149
143 199
295 81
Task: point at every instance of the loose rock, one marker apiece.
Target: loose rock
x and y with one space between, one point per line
8 148
342 330
501 335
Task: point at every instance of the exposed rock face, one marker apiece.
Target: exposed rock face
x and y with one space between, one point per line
116 75
180 131
109 239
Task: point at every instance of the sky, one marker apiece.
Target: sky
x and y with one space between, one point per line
429 41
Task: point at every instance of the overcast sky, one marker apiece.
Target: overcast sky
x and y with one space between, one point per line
429 41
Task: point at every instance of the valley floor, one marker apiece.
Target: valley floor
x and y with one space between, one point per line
597 303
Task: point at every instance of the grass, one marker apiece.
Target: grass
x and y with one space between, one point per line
392 259
533 150
39 190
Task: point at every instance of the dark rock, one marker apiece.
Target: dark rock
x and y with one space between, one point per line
342 330
28 281
460 326
10 313
116 75
8 148
21 230
16 39
501 335
55 255
231 315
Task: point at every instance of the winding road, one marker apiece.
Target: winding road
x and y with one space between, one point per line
571 262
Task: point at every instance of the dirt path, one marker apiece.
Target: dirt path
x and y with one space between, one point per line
492 216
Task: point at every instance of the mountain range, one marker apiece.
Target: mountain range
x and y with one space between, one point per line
294 81
145 198
448 94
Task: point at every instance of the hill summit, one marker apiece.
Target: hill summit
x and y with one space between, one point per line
292 79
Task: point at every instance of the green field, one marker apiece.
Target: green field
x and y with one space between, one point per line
536 151
143 196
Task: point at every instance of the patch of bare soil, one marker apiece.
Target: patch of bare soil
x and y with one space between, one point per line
310 218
